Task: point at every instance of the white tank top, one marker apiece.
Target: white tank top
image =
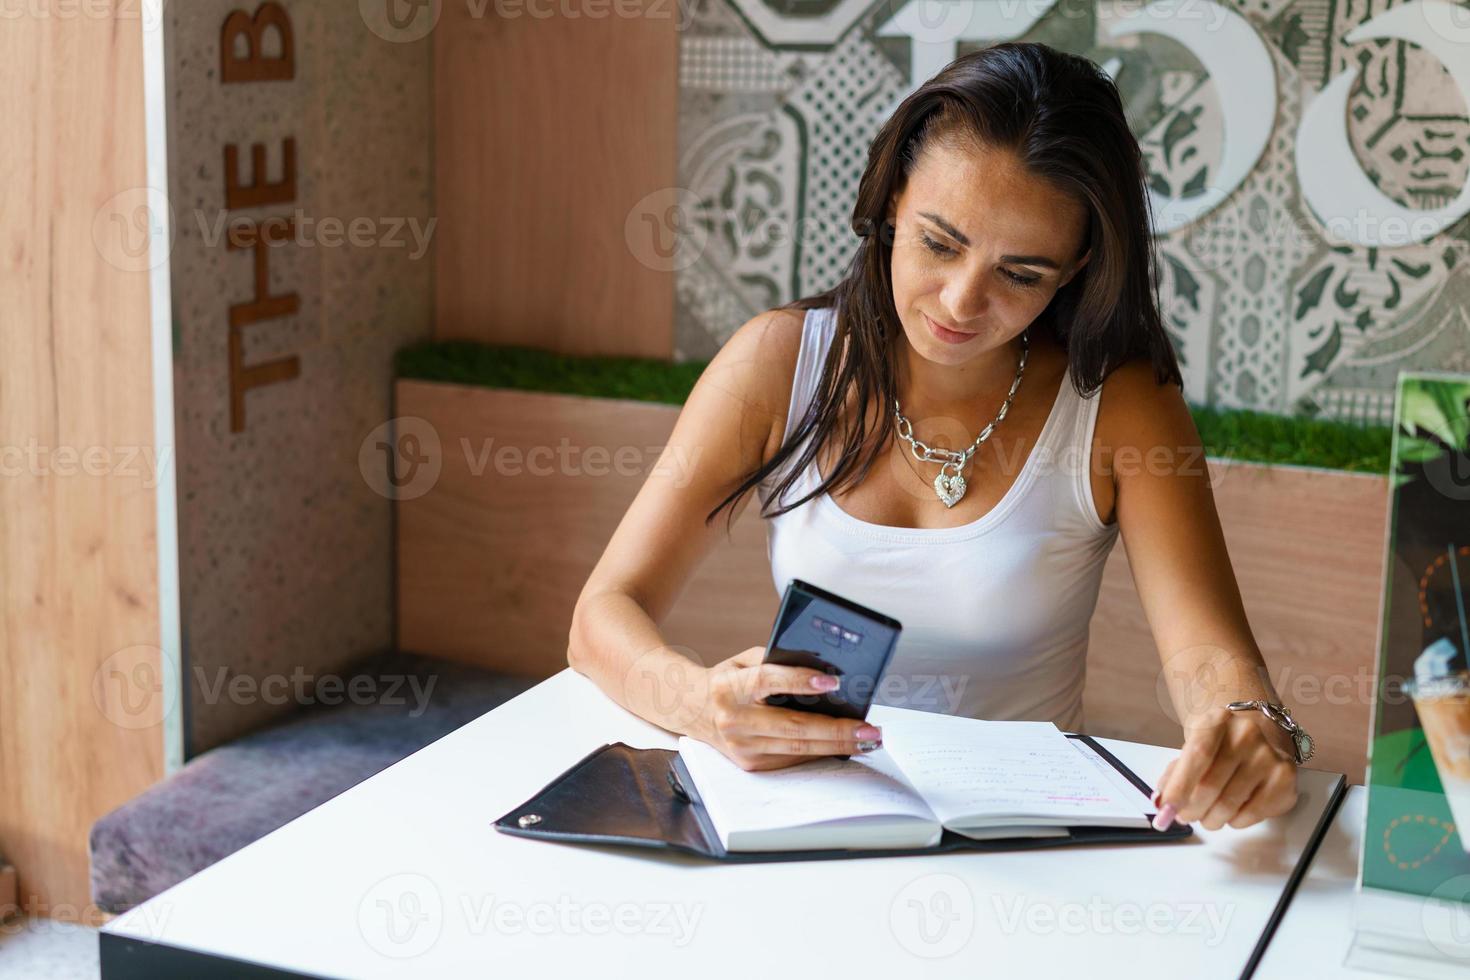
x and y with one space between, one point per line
995 612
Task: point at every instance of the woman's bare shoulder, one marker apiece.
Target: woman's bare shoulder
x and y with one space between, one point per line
1138 414
758 362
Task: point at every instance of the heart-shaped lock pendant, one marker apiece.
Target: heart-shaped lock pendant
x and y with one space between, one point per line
949 487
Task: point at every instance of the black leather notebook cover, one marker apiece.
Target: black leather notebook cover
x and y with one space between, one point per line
617 794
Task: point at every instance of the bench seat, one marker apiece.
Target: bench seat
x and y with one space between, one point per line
236 793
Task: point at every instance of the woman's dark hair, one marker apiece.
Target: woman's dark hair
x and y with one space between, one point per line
1061 116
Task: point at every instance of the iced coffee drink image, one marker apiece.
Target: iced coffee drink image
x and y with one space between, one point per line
1441 695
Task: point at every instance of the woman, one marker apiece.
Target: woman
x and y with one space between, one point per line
955 435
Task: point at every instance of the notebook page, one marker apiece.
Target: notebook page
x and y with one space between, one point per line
1126 790
1005 771
824 789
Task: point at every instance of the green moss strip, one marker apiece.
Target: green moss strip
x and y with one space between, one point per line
1231 433
1261 437
528 369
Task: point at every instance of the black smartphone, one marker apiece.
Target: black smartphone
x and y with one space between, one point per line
819 629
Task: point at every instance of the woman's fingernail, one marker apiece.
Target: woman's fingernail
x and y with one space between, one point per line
1165 817
867 732
868 745
824 682
1154 799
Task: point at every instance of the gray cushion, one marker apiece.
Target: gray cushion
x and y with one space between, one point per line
236 793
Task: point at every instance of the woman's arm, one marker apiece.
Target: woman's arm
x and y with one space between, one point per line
731 422
1235 767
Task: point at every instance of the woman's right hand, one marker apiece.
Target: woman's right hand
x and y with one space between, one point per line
759 736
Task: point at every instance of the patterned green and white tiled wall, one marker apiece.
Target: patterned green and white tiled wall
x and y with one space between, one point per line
1286 282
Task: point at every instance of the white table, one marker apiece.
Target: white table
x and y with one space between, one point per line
403 876
1315 934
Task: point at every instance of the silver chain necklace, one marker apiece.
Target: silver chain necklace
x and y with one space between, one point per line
950 487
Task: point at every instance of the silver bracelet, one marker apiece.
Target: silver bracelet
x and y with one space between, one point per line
1302 744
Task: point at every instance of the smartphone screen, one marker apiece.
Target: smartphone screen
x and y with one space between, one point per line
824 631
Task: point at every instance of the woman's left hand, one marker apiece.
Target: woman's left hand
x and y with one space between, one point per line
1236 768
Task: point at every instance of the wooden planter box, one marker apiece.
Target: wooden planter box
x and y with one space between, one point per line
492 557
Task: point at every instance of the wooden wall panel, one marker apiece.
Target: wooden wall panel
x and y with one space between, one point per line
549 131
1307 549
78 559
491 565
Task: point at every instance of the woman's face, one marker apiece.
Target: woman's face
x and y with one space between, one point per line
980 247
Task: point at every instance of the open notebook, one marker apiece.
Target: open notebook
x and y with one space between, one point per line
981 779
940 783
